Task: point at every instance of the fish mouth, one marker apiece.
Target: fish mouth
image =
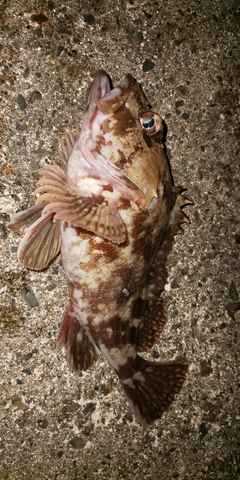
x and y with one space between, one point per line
103 94
100 87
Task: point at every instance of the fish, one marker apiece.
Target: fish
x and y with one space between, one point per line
113 212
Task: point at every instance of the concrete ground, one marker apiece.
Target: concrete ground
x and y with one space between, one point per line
55 424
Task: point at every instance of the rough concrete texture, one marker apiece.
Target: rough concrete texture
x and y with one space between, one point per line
55 424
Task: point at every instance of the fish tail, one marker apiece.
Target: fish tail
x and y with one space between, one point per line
151 389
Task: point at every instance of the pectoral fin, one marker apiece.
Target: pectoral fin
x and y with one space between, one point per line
94 213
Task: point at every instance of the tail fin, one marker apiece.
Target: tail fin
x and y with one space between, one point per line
151 389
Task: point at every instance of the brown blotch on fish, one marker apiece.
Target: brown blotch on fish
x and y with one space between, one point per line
137 307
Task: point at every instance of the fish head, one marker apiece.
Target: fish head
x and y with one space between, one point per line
122 138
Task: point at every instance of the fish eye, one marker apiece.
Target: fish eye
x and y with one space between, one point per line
151 123
148 122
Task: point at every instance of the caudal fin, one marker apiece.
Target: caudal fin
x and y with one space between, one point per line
151 389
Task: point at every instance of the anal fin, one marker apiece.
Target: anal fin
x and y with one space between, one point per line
82 352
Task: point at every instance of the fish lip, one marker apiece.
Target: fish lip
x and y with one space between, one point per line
100 87
102 82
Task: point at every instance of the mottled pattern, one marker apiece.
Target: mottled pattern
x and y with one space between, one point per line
114 213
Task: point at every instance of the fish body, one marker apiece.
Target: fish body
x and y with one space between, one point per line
113 213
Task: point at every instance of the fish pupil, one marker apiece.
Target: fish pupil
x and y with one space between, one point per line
148 122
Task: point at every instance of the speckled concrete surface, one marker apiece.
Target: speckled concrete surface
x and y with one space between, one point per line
58 425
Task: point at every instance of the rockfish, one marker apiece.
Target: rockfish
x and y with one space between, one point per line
113 213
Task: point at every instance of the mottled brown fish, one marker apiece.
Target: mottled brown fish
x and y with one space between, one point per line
113 213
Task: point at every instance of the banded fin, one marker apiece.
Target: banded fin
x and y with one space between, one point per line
151 389
41 243
94 214
81 350
22 220
151 326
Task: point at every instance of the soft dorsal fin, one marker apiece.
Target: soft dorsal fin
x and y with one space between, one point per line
151 325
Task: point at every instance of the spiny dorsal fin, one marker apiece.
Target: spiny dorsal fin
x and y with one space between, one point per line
158 274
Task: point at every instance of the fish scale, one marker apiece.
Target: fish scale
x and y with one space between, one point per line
113 213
